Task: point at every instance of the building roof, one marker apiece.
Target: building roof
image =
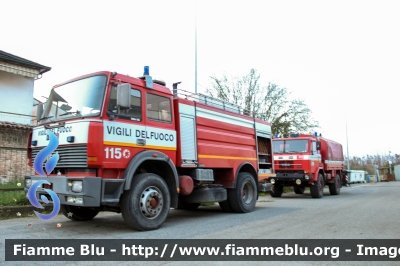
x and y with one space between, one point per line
13 59
14 125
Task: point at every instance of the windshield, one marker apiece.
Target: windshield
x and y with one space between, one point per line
290 146
79 98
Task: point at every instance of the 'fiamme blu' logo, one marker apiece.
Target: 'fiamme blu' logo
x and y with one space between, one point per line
51 163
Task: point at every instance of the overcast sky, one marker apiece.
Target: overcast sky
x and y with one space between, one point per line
341 57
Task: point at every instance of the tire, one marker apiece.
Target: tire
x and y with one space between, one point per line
344 181
334 188
243 198
276 191
317 190
225 206
183 205
77 213
299 189
146 204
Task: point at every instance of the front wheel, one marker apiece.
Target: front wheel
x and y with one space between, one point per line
243 198
317 190
276 190
334 188
146 205
77 213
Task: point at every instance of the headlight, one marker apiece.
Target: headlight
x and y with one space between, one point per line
306 177
272 181
77 186
28 183
77 200
298 181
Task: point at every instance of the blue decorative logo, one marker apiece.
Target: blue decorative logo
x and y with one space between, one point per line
44 153
50 165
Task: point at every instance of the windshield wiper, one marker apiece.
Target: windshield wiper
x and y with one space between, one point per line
46 117
72 113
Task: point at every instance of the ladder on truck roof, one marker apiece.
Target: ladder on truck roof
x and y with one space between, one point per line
205 99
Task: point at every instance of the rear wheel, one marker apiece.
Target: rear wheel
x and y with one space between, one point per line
317 190
243 198
77 213
276 190
146 205
334 188
298 189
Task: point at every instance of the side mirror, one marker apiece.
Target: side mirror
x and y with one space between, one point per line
318 145
124 95
39 111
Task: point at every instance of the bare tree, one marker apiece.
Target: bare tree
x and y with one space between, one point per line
270 103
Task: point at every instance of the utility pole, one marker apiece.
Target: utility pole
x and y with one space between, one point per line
347 144
195 46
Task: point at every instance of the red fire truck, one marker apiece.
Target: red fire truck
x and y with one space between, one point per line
130 145
307 161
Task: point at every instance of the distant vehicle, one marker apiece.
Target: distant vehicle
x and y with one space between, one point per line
307 161
355 176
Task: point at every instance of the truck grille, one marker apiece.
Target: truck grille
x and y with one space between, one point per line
70 156
286 164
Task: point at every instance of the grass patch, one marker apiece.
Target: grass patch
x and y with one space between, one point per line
13 194
288 189
207 204
12 185
13 198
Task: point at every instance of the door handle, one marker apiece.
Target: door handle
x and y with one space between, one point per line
141 142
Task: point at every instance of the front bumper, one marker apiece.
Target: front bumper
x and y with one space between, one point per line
95 190
290 178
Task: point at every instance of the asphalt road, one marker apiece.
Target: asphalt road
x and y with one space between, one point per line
361 211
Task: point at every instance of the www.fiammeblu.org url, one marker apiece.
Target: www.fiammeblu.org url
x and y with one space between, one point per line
233 250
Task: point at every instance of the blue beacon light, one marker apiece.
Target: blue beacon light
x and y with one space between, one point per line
146 71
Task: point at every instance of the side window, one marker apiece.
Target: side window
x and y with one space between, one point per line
314 148
132 113
158 108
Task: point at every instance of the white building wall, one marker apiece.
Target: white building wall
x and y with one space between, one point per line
16 96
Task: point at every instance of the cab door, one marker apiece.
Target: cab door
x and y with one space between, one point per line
122 132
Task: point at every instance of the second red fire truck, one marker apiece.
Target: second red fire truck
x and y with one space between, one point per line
307 161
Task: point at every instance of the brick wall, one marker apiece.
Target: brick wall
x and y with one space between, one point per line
13 157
